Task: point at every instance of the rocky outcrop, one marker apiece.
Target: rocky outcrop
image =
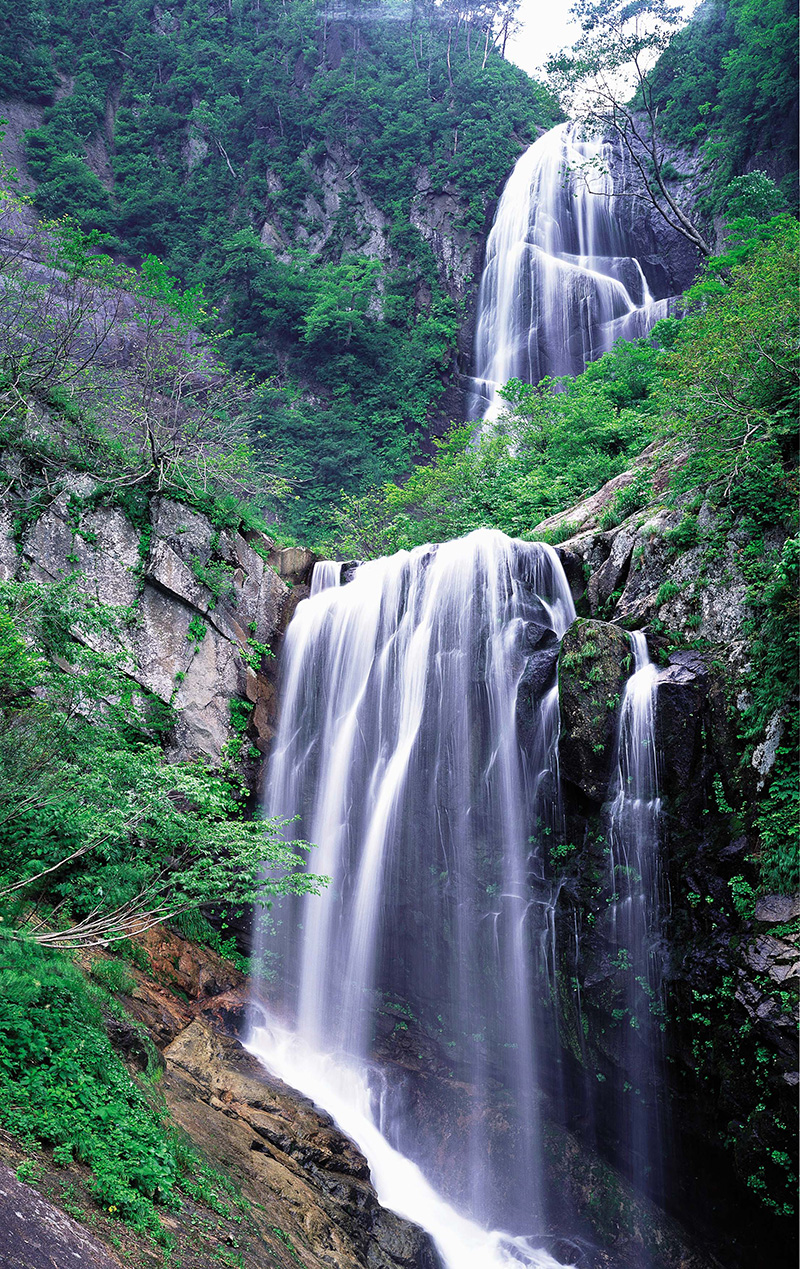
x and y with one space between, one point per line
34 1234
593 665
657 564
197 604
311 1185
312 1199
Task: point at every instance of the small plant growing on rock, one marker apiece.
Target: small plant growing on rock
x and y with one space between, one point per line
197 630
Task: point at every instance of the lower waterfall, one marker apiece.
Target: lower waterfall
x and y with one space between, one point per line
562 281
417 748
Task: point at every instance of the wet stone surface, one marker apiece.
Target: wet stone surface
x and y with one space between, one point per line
36 1235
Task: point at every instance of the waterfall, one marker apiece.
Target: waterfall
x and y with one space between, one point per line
561 282
326 573
634 921
417 749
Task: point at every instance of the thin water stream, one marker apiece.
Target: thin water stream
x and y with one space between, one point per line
634 919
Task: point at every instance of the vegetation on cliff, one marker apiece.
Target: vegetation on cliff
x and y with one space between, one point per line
102 371
232 139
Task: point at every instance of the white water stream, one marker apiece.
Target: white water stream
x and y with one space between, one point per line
634 918
342 1088
417 750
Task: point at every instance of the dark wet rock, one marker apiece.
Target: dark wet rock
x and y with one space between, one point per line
682 688
36 1235
594 663
129 1042
574 568
539 673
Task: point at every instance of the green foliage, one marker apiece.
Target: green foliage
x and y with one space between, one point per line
216 576
224 118
114 976
25 66
729 80
95 826
632 497
555 444
62 1086
666 591
196 632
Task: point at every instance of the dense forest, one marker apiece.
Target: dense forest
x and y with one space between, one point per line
239 254
203 138
222 120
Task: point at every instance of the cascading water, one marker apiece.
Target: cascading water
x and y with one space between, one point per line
561 282
417 749
634 920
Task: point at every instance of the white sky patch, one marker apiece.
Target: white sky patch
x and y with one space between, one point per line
546 28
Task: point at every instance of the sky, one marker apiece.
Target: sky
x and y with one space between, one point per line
546 28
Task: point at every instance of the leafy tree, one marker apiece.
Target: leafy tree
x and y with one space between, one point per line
728 82
171 416
730 384
100 836
555 443
223 118
345 298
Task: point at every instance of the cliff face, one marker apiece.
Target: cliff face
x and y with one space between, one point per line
198 604
731 960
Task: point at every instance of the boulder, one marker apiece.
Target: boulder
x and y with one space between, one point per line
36 1235
191 597
594 664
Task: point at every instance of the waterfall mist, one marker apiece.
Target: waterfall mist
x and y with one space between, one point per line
561 282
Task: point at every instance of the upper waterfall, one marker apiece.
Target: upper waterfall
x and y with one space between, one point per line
562 281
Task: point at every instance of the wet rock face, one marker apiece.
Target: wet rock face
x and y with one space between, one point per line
731 966
609 1225
36 1235
308 1179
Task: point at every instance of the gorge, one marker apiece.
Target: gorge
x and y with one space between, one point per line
398 645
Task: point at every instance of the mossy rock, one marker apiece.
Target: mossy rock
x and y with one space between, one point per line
594 664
